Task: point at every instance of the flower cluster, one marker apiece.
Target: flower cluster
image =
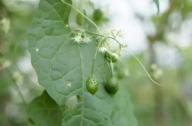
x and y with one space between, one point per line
81 37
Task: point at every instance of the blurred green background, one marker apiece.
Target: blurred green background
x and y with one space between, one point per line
166 51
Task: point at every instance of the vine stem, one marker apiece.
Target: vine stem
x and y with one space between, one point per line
82 14
145 70
94 59
112 69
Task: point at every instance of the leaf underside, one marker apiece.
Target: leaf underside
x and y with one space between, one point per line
62 67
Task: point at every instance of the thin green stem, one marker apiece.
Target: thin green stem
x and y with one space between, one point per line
95 56
112 69
94 59
109 37
145 70
82 14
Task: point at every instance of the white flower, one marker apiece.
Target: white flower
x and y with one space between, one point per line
81 37
86 39
77 38
102 49
116 33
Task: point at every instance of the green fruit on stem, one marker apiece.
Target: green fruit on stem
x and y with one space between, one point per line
111 57
112 86
97 15
91 85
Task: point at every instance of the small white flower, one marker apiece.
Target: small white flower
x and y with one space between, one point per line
102 49
77 38
81 37
86 39
116 33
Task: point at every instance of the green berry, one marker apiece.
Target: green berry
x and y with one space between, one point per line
112 86
97 15
91 85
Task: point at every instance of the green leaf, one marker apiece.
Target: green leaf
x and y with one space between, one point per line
63 66
157 4
43 111
123 112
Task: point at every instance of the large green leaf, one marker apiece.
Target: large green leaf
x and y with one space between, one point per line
43 111
62 66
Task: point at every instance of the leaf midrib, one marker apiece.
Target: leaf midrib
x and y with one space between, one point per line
82 81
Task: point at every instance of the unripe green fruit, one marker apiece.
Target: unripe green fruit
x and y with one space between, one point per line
91 85
111 57
97 15
112 86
